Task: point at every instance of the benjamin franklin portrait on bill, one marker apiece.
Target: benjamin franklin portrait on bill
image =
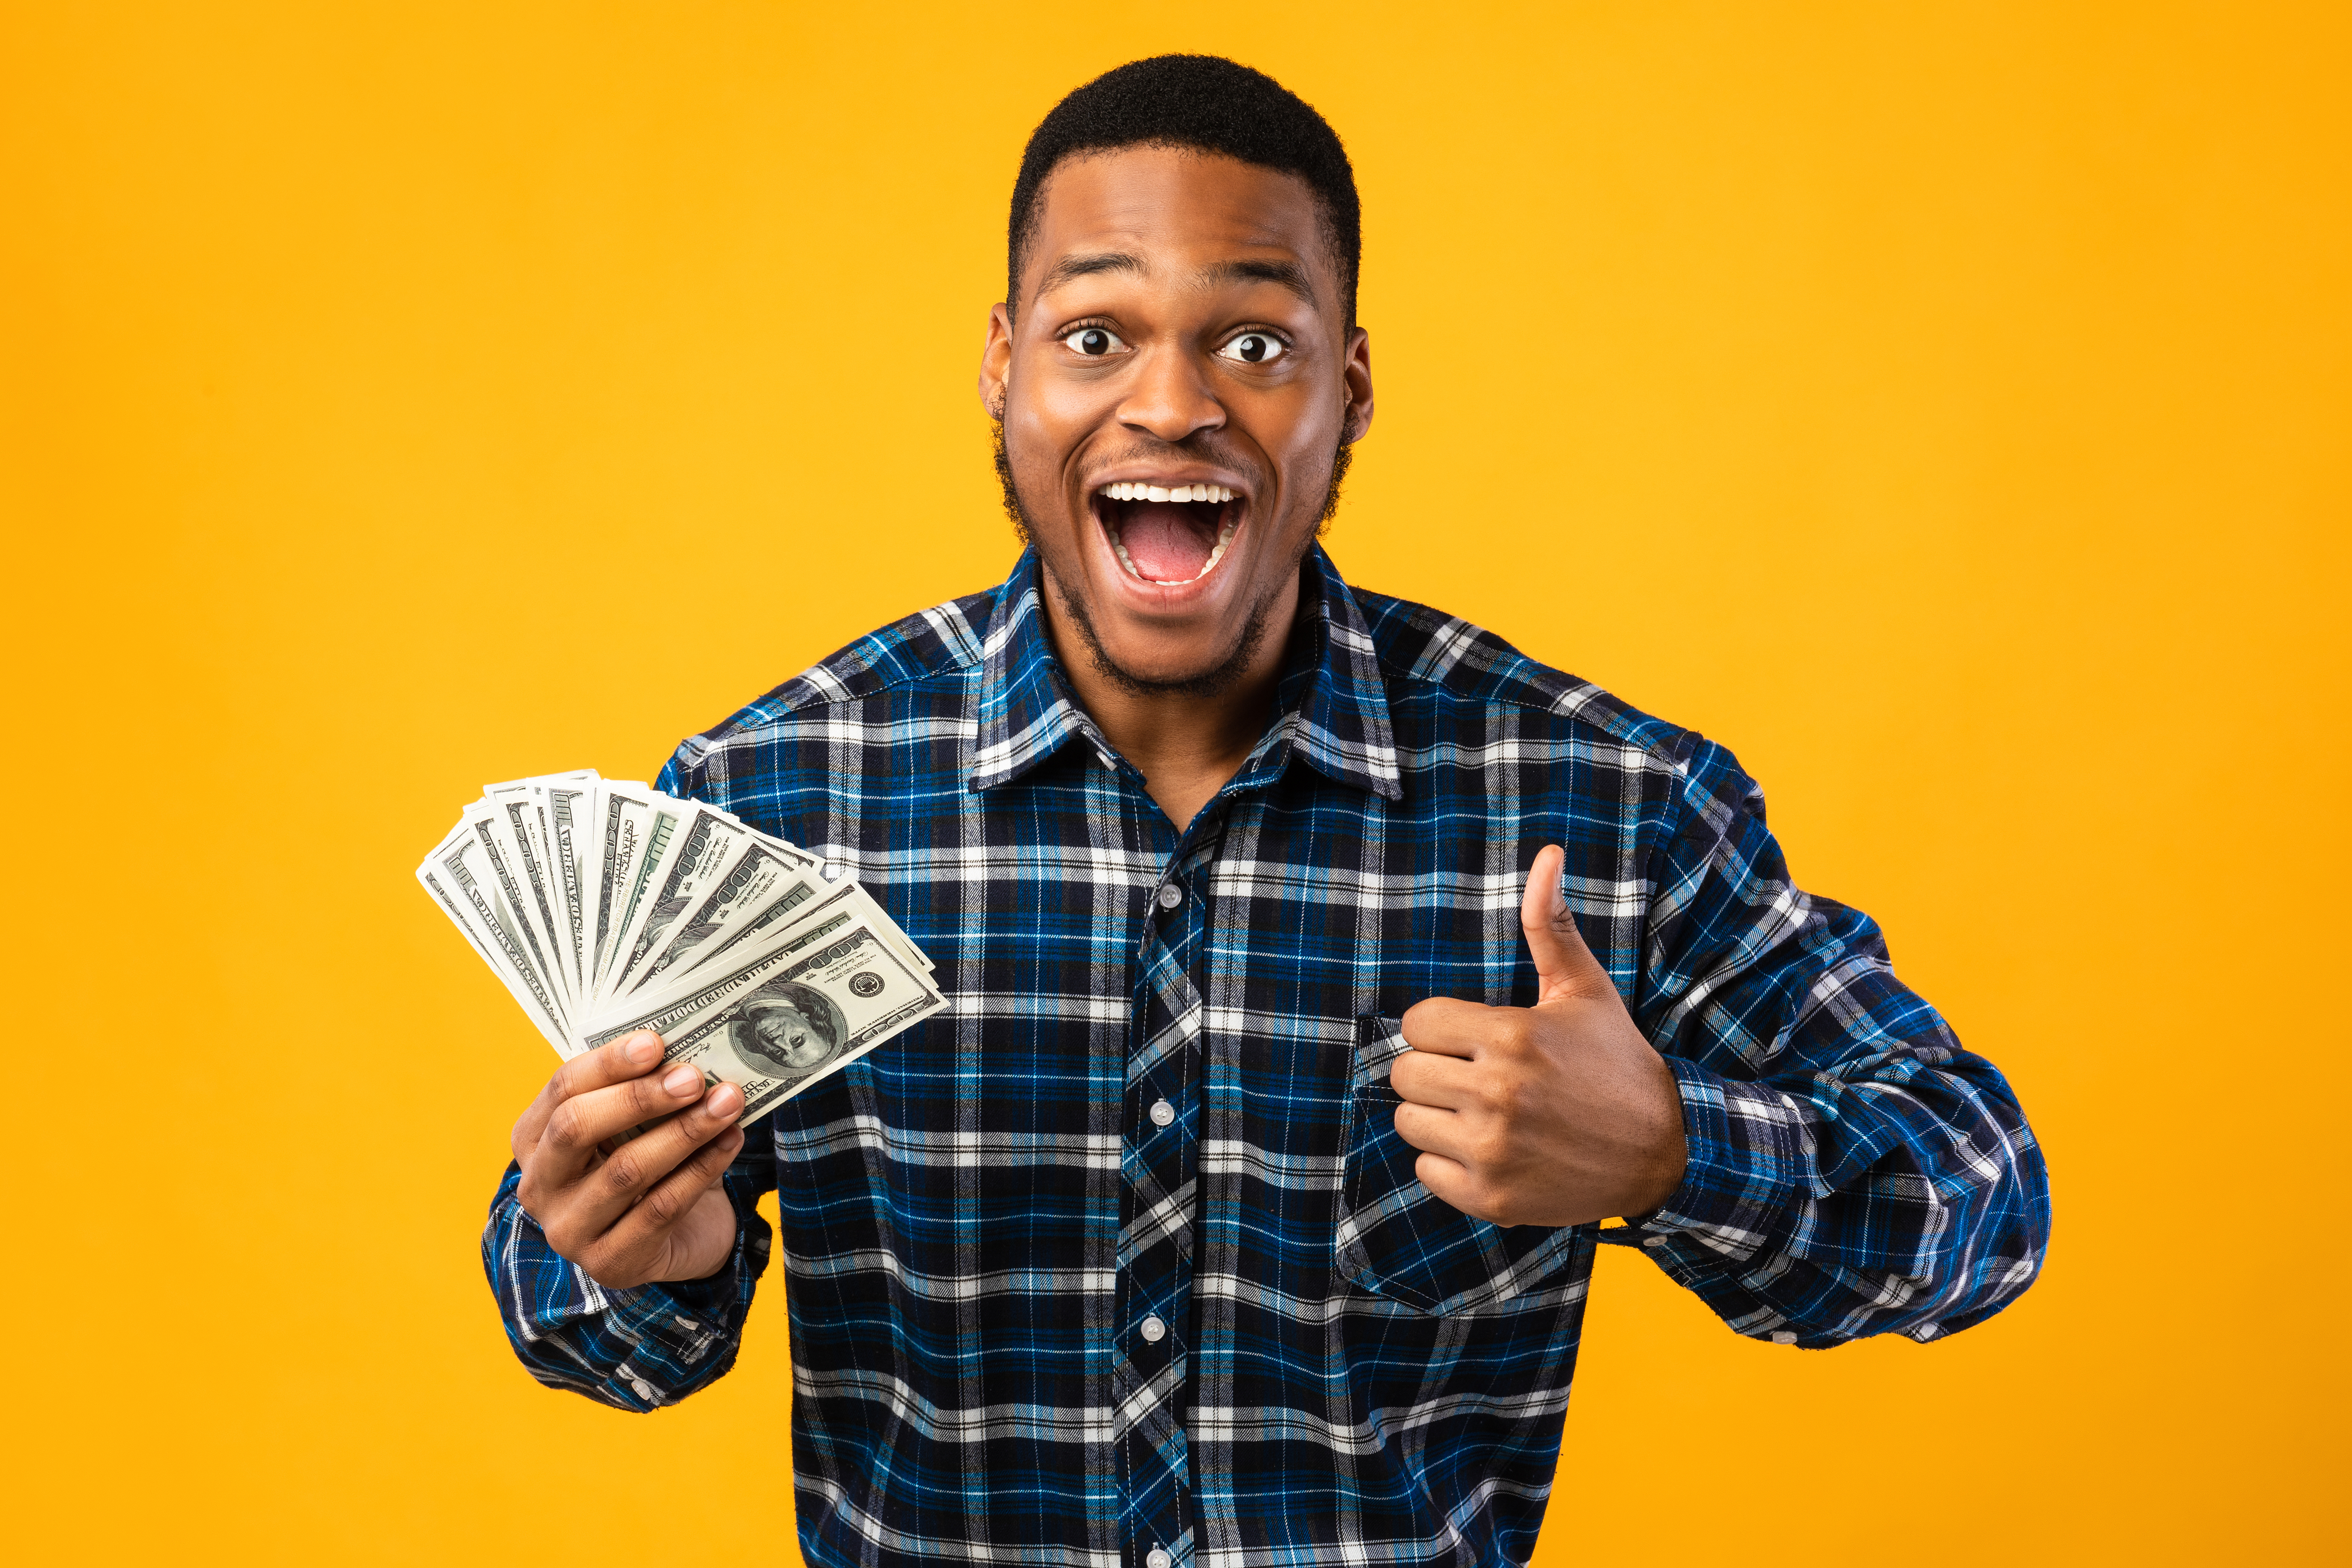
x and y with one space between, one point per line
783 1029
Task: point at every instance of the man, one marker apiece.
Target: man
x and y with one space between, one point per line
1322 972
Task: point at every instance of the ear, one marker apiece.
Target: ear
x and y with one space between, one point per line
996 362
1356 380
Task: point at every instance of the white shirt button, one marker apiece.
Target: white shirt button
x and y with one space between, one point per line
1155 1558
1784 1338
1169 896
1153 1329
1162 1113
1655 1241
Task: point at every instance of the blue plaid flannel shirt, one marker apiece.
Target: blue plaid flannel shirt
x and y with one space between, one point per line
1119 1260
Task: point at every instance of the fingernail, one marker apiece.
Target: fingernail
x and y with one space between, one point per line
725 1100
644 1048
681 1079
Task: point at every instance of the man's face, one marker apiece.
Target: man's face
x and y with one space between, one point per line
1181 329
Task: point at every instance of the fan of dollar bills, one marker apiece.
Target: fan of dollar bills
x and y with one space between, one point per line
606 908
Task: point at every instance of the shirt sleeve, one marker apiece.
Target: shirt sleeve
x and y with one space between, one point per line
637 1349
1852 1169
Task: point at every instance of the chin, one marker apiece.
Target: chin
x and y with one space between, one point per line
1202 660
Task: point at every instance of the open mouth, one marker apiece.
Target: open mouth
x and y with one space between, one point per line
1169 534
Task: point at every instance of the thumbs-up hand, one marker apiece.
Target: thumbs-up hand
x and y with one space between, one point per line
1560 1113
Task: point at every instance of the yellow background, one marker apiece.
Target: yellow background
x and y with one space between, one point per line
1945 405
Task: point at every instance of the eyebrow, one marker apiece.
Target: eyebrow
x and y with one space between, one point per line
1072 267
1285 274
1288 274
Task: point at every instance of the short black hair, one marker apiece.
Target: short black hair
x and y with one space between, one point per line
1208 103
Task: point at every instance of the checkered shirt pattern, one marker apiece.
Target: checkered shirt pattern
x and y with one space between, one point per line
1120 1261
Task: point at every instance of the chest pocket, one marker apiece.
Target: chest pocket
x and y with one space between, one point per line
1397 1238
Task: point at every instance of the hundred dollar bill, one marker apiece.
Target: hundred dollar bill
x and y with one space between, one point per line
523 811
660 822
760 925
741 915
625 814
509 885
711 842
457 876
780 1018
883 924
569 808
820 922
839 905
766 884
539 815
891 933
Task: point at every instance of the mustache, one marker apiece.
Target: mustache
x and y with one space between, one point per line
1204 448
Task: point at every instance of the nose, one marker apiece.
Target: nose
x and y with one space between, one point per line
1171 396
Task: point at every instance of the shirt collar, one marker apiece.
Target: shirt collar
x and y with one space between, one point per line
1332 710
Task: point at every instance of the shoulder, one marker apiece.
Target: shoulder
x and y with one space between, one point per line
933 652
1424 652
1457 671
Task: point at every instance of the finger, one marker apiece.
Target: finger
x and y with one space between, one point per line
636 1170
631 1055
569 1145
672 1199
1564 965
1432 1131
1445 1082
1445 1025
1450 1181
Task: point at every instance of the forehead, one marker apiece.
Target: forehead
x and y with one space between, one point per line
1178 210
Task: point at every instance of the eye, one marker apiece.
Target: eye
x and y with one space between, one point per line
1255 348
1091 342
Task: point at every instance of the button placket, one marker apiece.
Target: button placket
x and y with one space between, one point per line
1159 1160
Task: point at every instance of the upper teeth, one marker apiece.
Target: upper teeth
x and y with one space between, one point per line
1168 492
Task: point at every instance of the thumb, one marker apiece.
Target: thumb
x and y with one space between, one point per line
1564 966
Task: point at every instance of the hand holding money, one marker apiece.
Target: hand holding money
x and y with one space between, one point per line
694 974
649 1208
610 910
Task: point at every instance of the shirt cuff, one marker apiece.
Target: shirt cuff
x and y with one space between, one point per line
638 1349
671 1338
1748 1155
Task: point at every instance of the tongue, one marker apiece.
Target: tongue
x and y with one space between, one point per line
1168 541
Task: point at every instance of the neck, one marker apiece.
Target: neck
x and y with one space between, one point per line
1186 746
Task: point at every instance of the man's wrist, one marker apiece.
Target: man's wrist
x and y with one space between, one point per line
1669 1149
1743 1162
708 1291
